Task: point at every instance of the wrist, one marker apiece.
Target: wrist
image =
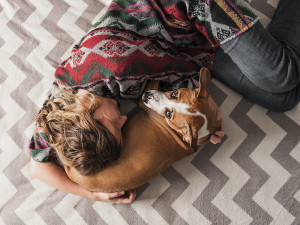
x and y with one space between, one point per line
90 195
85 193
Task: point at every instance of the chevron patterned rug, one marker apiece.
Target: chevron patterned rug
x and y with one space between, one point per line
252 177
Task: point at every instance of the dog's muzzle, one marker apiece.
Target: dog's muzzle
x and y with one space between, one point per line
147 96
154 100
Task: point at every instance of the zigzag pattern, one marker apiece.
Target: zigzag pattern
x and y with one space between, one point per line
203 163
217 178
163 204
252 177
262 157
58 10
285 196
93 8
244 198
47 212
92 217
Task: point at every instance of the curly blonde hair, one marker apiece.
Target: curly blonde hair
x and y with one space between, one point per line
79 140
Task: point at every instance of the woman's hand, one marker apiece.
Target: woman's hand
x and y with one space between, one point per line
121 197
216 138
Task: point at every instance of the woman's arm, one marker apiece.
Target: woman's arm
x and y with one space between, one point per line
53 175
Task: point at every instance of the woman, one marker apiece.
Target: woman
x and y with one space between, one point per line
121 52
85 130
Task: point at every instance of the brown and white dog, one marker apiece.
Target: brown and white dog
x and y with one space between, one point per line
169 126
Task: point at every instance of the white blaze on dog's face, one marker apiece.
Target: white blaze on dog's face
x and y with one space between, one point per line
181 111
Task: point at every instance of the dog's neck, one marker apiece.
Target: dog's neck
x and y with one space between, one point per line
161 122
209 125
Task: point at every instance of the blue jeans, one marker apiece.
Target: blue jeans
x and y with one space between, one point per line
264 65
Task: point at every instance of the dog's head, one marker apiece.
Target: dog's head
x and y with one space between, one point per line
187 111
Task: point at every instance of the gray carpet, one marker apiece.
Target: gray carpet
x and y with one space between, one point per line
252 177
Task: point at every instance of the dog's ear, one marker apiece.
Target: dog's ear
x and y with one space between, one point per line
204 79
189 136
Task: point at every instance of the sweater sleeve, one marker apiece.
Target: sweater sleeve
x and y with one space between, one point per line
39 147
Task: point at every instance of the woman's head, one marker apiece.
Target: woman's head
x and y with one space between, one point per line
109 115
84 133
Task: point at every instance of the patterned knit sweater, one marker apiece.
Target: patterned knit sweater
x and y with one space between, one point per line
152 39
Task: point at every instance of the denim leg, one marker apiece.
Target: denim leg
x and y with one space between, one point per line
285 24
269 64
226 71
264 66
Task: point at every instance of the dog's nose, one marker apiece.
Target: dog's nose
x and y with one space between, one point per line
146 96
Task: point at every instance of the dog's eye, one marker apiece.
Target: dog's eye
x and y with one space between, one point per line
174 94
168 114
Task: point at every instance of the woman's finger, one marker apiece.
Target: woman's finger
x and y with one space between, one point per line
127 200
215 139
220 133
116 194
